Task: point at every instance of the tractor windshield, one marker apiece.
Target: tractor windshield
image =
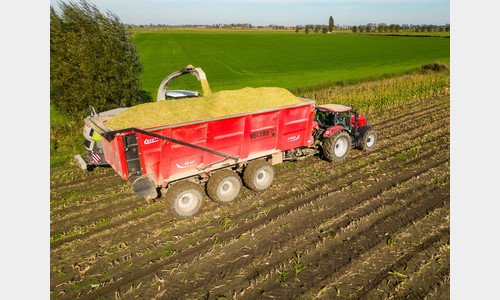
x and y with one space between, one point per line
325 118
343 118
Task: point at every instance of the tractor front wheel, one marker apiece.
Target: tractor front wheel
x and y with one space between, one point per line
224 186
185 197
336 147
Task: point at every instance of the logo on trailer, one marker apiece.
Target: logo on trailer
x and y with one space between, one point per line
293 138
262 133
150 141
186 164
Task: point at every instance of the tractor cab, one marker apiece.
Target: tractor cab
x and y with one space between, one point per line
339 128
329 115
335 120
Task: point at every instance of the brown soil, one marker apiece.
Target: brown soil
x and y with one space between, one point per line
374 227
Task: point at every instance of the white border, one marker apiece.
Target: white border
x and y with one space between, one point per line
24 221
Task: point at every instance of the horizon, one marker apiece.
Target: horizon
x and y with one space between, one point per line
276 12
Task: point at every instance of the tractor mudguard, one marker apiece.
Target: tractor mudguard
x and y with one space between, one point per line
332 130
360 133
363 129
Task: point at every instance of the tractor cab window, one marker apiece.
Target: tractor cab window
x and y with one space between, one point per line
343 118
325 118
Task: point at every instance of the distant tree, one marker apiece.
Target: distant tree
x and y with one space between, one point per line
324 29
368 28
392 28
93 60
354 29
380 28
307 30
397 28
297 29
316 28
331 24
447 28
429 28
361 28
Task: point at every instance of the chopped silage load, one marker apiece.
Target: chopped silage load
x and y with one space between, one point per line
218 104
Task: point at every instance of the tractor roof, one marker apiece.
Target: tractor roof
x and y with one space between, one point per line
335 107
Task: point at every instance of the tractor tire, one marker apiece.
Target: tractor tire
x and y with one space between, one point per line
185 198
336 147
258 175
224 186
369 140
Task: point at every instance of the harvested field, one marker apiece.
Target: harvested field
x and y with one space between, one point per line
375 226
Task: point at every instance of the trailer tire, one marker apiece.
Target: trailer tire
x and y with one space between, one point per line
336 148
185 198
368 140
258 175
224 186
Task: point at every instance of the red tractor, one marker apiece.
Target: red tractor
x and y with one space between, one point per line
339 128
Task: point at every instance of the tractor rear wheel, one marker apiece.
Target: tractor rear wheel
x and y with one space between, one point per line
336 147
185 197
258 175
224 186
368 140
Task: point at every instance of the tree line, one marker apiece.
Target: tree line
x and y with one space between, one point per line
317 27
395 28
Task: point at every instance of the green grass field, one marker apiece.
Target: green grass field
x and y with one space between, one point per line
235 59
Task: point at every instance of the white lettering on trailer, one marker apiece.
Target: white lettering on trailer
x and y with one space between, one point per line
150 141
185 164
293 138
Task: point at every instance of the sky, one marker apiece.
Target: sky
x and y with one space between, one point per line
278 12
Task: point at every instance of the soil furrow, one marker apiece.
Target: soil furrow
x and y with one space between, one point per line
86 180
296 235
371 283
320 267
377 264
427 110
131 203
440 291
425 278
335 222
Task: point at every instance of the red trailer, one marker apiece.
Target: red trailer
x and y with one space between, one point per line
178 159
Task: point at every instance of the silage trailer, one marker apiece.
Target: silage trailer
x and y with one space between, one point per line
182 161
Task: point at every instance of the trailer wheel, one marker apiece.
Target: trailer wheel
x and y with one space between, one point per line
224 186
336 147
185 197
368 140
258 175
